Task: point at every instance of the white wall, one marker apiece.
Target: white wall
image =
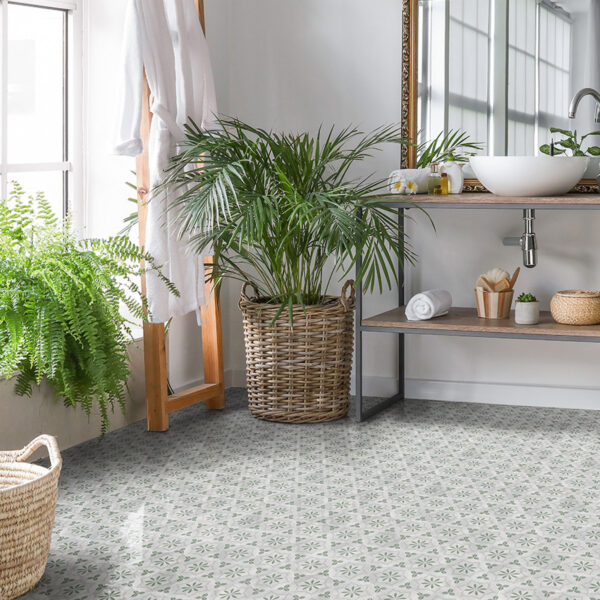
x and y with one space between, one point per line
23 418
294 65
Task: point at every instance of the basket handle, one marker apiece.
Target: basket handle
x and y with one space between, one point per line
244 295
42 440
347 299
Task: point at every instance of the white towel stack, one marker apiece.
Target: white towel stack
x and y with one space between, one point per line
428 304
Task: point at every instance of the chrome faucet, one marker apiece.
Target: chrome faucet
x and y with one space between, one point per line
577 99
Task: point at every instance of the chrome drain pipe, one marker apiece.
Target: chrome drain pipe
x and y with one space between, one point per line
527 241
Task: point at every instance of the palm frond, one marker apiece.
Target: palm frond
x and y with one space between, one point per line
454 145
279 208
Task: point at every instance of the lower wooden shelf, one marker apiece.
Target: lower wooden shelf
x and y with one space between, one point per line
465 322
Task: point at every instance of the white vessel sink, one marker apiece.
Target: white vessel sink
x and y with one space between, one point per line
529 175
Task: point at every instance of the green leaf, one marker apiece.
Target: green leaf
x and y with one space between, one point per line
567 144
545 149
563 131
589 134
454 146
61 300
526 297
278 206
594 150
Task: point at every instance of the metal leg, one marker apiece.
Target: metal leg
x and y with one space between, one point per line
358 333
363 415
401 301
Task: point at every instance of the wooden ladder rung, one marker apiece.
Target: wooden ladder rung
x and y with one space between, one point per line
200 393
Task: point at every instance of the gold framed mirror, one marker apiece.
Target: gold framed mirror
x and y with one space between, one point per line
526 54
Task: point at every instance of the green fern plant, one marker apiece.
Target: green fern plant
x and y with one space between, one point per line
61 306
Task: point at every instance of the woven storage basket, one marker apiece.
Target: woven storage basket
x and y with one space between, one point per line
576 307
299 374
27 501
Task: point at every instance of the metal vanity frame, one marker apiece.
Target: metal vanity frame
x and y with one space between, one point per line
552 332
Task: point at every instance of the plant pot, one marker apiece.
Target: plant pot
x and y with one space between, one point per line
527 313
299 374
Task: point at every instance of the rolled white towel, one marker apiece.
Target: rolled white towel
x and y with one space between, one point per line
408 181
427 305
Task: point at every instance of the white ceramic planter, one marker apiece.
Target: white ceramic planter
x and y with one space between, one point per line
527 313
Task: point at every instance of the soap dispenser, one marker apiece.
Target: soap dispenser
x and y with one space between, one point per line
433 179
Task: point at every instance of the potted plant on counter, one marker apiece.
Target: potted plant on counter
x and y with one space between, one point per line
527 309
280 211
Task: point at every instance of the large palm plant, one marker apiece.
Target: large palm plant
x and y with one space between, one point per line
275 207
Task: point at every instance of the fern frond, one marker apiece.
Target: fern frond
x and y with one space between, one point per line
61 303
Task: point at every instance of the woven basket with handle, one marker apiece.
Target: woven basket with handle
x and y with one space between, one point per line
299 373
27 500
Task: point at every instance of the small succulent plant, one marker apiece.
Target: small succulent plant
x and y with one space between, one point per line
526 297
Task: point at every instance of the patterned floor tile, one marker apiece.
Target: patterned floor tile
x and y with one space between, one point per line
427 501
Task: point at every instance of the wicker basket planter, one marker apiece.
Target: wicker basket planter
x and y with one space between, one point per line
299 374
27 500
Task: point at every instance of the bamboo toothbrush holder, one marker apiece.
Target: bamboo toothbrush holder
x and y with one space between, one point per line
493 305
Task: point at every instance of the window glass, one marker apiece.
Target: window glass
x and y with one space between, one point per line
48 182
35 84
468 59
528 124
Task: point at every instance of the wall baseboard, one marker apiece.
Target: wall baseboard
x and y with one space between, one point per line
235 378
470 391
504 393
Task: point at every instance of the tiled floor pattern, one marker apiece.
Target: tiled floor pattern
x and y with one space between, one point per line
429 500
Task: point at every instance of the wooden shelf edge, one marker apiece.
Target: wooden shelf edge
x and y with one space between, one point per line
200 393
487 200
464 321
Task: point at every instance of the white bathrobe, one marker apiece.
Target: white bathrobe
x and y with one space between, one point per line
164 38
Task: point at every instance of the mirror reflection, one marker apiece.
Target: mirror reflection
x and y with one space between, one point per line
505 71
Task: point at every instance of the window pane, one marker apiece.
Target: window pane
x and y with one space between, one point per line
48 182
468 61
35 84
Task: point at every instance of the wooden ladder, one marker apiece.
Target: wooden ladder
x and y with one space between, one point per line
158 401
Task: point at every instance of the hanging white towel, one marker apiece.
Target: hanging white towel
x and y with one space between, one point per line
164 38
427 305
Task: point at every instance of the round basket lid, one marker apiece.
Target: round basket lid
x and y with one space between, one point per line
579 293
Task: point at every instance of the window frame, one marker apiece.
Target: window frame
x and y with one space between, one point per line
71 165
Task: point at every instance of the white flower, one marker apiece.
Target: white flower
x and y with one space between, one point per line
398 186
411 187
